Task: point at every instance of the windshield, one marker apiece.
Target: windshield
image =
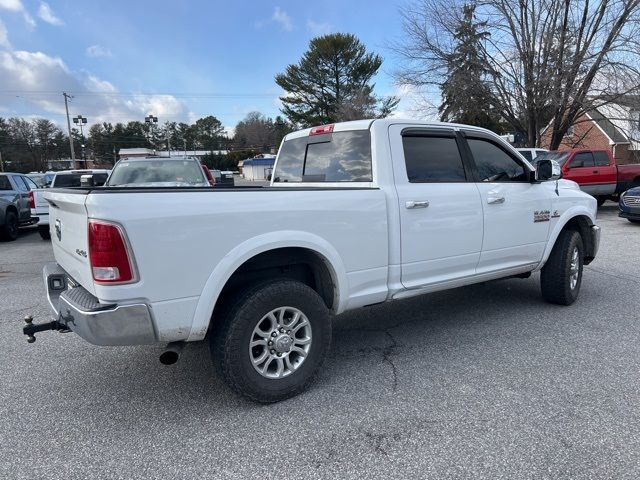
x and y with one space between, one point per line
73 179
155 172
559 157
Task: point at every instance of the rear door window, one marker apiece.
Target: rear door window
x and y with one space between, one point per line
432 159
601 159
5 184
337 157
20 184
582 159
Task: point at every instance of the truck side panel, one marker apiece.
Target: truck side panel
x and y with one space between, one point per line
200 229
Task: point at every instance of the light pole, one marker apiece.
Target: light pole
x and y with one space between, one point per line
80 120
151 120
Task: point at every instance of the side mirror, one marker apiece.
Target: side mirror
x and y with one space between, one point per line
547 170
86 181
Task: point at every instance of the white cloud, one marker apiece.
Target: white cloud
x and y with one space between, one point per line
13 5
98 51
283 18
46 14
318 28
17 6
4 36
42 77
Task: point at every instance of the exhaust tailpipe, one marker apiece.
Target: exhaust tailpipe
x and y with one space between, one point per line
171 353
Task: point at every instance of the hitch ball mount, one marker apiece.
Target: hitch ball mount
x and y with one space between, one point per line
30 329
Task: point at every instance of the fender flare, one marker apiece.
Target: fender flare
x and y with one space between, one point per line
570 213
248 249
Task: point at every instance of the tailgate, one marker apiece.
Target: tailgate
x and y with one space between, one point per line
68 220
42 206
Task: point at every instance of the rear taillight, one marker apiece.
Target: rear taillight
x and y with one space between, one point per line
32 200
108 253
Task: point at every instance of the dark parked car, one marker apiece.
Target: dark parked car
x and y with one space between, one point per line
630 205
16 200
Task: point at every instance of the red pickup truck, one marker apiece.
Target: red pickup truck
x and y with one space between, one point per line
596 172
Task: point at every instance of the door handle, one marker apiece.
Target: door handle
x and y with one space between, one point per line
495 200
413 204
596 171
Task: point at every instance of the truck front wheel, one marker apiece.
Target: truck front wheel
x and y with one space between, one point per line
272 340
561 276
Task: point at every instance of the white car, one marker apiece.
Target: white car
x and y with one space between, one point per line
531 153
357 213
64 179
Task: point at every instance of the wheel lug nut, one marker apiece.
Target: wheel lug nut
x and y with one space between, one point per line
272 351
281 330
288 332
274 334
270 343
279 354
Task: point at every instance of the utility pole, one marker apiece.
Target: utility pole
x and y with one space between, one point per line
66 106
1 163
80 120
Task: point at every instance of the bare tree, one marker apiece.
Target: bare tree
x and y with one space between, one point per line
549 60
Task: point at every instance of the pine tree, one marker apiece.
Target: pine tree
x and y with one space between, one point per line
466 94
336 71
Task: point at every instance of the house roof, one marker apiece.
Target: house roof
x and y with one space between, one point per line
607 126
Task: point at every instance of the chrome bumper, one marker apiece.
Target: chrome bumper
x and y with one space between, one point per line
97 323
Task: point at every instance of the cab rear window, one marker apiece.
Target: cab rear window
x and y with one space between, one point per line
336 157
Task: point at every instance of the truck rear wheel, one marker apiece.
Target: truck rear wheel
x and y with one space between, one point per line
272 341
44 232
601 200
561 276
9 231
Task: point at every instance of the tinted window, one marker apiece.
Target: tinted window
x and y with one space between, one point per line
494 164
31 185
152 171
583 159
67 180
601 158
559 157
20 185
432 159
345 157
526 154
5 184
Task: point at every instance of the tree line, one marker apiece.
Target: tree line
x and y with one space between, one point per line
510 66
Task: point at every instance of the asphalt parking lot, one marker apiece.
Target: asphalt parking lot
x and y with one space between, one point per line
479 382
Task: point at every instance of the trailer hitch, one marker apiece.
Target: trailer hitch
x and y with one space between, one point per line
30 329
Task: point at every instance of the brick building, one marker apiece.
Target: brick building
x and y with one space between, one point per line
615 127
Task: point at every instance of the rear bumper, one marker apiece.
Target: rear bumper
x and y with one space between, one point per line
97 323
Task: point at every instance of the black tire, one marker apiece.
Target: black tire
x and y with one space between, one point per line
44 233
229 342
633 220
601 200
10 229
556 275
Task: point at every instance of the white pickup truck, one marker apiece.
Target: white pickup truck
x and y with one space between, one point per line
356 214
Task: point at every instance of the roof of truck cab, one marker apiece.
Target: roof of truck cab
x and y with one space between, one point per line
383 123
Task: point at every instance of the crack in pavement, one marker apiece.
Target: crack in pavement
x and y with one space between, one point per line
386 356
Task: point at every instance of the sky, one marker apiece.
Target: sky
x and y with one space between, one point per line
179 60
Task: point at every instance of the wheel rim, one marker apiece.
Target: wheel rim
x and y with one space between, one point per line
574 269
280 342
